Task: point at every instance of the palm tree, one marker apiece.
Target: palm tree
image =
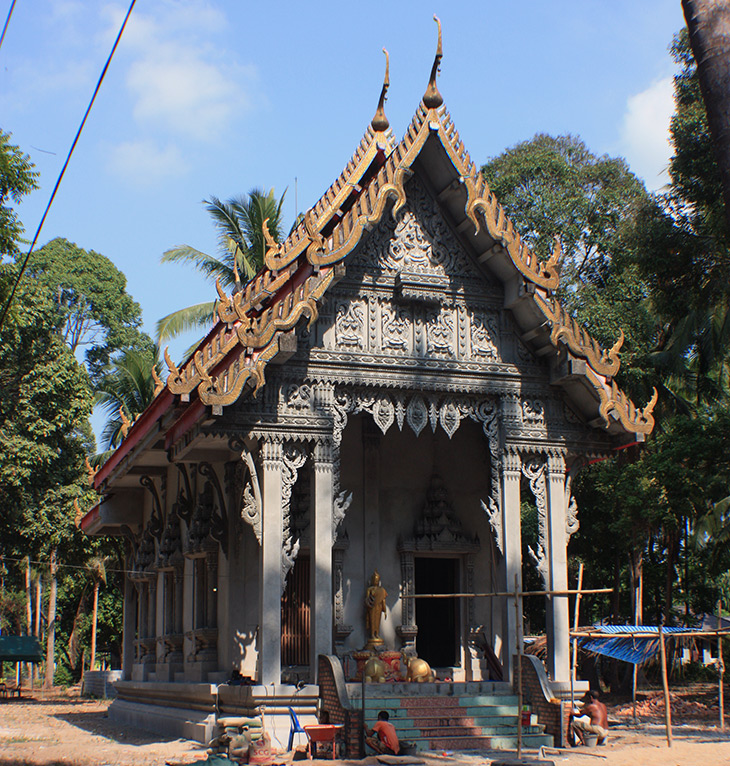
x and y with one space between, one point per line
128 386
96 569
239 223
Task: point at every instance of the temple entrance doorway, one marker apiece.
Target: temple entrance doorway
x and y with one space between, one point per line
295 606
437 619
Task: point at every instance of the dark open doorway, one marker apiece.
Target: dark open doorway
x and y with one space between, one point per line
437 618
295 615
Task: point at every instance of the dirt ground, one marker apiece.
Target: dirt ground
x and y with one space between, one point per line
64 729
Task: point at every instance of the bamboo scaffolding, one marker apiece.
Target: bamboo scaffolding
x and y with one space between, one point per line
574 641
720 668
510 593
665 685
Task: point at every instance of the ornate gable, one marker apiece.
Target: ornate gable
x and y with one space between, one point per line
416 221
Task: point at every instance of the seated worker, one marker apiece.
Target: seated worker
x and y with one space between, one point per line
387 741
593 718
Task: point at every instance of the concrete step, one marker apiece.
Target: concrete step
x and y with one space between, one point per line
420 711
430 732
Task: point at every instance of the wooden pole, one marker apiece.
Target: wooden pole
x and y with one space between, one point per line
720 667
574 640
665 684
518 640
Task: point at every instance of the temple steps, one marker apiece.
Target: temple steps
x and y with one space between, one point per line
463 718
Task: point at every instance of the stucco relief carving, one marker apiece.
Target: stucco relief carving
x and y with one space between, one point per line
534 471
533 412
350 324
483 336
298 397
396 328
572 524
440 334
494 516
251 498
293 458
417 414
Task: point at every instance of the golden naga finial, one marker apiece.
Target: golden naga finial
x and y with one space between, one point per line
79 514
126 422
380 123
170 364
91 471
159 385
432 99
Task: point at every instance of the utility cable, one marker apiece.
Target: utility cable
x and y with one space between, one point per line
65 164
7 21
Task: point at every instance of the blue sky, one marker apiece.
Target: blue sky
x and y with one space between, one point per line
214 98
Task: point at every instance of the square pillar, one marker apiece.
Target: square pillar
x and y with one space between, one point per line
269 636
512 546
129 628
321 600
558 633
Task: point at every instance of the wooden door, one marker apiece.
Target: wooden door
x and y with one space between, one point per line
295 615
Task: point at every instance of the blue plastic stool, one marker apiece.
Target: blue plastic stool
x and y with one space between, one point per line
295 728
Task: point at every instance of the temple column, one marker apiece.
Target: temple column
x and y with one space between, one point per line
129 627
321 615
371 498
512 541
269 636
558 634
211 601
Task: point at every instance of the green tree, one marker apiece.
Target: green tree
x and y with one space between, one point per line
17 178
241 245
90 298
556 187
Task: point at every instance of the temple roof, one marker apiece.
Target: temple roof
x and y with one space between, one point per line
256 325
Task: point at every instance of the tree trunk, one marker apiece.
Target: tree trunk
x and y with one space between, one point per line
615 596
636 560
669 582
51 632
37 627
708 22
94 613
38 594
28 599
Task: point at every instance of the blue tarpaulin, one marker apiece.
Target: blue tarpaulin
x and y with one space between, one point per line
640 645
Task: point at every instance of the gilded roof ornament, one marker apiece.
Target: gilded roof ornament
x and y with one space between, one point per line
79 514
432 99
159 385
380 122
126 422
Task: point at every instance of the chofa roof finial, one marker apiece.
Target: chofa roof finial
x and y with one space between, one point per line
432 98
380 121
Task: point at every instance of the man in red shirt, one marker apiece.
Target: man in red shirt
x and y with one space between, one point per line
386 742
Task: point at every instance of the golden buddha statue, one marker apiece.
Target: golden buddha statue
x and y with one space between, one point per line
374 610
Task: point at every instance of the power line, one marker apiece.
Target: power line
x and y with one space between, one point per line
65 164
7 21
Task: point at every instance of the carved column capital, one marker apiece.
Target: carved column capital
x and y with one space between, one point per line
511 460
556 463
272 452
323 455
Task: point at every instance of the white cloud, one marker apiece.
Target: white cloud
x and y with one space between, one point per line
645 132
145 162
179 80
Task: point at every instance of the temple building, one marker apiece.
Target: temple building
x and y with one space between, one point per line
379 398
